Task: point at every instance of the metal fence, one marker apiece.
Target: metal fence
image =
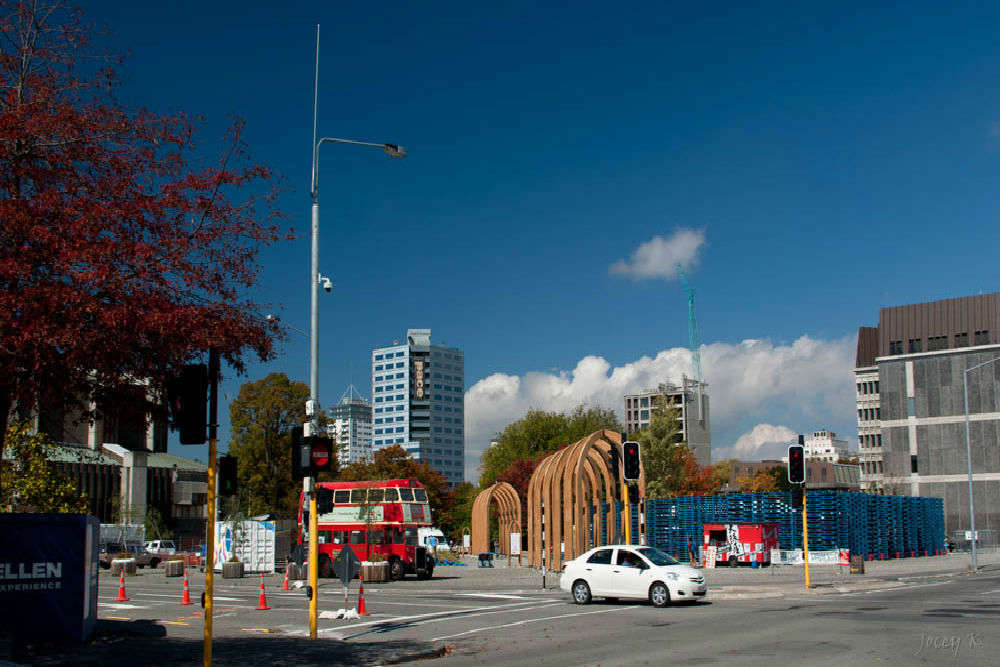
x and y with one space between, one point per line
961 540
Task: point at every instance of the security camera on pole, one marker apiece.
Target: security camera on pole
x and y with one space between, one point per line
311 427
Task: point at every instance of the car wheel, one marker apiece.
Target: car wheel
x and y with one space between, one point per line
581 592
659 595
325 567
733 562
154 563
396 569
427 574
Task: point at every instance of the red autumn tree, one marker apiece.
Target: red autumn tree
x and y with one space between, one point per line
124 250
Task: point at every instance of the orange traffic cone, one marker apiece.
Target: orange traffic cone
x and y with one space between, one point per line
361 598
121 589
186 598
262 600
284 586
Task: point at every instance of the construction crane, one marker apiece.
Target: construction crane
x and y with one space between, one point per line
694 340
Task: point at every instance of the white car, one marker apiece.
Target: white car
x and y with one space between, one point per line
623 571
162 547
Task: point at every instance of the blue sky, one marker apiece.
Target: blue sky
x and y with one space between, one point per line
833 158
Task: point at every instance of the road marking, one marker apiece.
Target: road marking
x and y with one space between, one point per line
381 601
264 630
173 623
121 606
117 618
493 595
515 606
387 626
531 620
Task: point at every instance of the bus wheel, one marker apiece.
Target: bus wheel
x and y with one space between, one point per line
428 573
325 567
396 570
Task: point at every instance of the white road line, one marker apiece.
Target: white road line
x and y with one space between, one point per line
530 620
121 605
515 606
493 595
381 601
446 616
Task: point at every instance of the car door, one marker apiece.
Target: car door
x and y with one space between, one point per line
627 574
597 571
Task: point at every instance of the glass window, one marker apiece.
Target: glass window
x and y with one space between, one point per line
411 537
962 339
417 512
895 347
406 494
357 537
325 537
915 345
420 495
394 533
357 496
982 338
600 557
391 495
339 536
375 536
656 557
341 497
375 495
913 463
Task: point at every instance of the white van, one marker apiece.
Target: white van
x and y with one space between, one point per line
432 538
162 547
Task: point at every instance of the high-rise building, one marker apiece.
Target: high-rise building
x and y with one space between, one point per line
351 428
912 404
690 399
418 402
825 446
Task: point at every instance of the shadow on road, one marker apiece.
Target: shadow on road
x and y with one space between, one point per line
143 642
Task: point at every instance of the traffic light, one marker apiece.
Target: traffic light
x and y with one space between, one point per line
300 454
796 464
320 454
630 460
324 500
187 395
614 461
633 494
227 476
797 492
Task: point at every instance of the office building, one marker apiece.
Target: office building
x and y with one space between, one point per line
350 427
691 401
911 404
418 402
824 446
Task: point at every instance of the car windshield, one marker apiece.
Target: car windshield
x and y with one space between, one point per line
657 557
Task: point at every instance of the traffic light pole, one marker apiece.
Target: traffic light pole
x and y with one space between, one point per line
805 533
628 514
213 414
313 559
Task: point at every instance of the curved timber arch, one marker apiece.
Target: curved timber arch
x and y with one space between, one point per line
508 516
564 500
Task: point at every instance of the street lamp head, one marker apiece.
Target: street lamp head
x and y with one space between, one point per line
393 150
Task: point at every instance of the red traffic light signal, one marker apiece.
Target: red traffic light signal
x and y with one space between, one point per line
630 460
796 464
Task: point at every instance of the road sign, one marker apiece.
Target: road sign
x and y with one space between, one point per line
320 453
346 565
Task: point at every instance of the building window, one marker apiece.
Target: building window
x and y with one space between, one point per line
915 345
822 474
982 338
962 339
895 347
913 463
937 343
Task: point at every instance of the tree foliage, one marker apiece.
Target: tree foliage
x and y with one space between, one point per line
125 251
670 467
539 433
261 418
31 481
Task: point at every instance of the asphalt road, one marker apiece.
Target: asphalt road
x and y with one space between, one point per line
502 617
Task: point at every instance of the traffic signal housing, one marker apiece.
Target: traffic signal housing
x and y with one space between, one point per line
187 394
797 492
796 464
630 460
614 463
300 455
227 475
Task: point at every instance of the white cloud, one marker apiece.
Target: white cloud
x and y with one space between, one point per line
764 441
658 257
807 384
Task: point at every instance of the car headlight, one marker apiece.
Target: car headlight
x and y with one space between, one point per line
672 576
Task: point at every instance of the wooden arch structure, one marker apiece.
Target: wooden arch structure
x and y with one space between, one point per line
565 494
508 516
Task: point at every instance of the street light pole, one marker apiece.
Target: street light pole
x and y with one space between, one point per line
312 406
968 457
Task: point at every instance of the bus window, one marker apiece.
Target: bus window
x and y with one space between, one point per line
420 495
391 495
416 512
357 537
375 536
338 537
342 497
375 495
411 537
406 494
358 496
397 534
325 537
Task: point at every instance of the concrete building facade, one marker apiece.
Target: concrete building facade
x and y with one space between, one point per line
823 445
920 352
351 428
690 399
418 402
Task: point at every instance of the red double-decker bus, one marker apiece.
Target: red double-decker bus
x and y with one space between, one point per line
379 517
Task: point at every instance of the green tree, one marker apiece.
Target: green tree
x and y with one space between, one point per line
262 418
31 480
154 524
670 467
540 432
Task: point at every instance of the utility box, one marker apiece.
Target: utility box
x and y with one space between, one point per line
48 576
